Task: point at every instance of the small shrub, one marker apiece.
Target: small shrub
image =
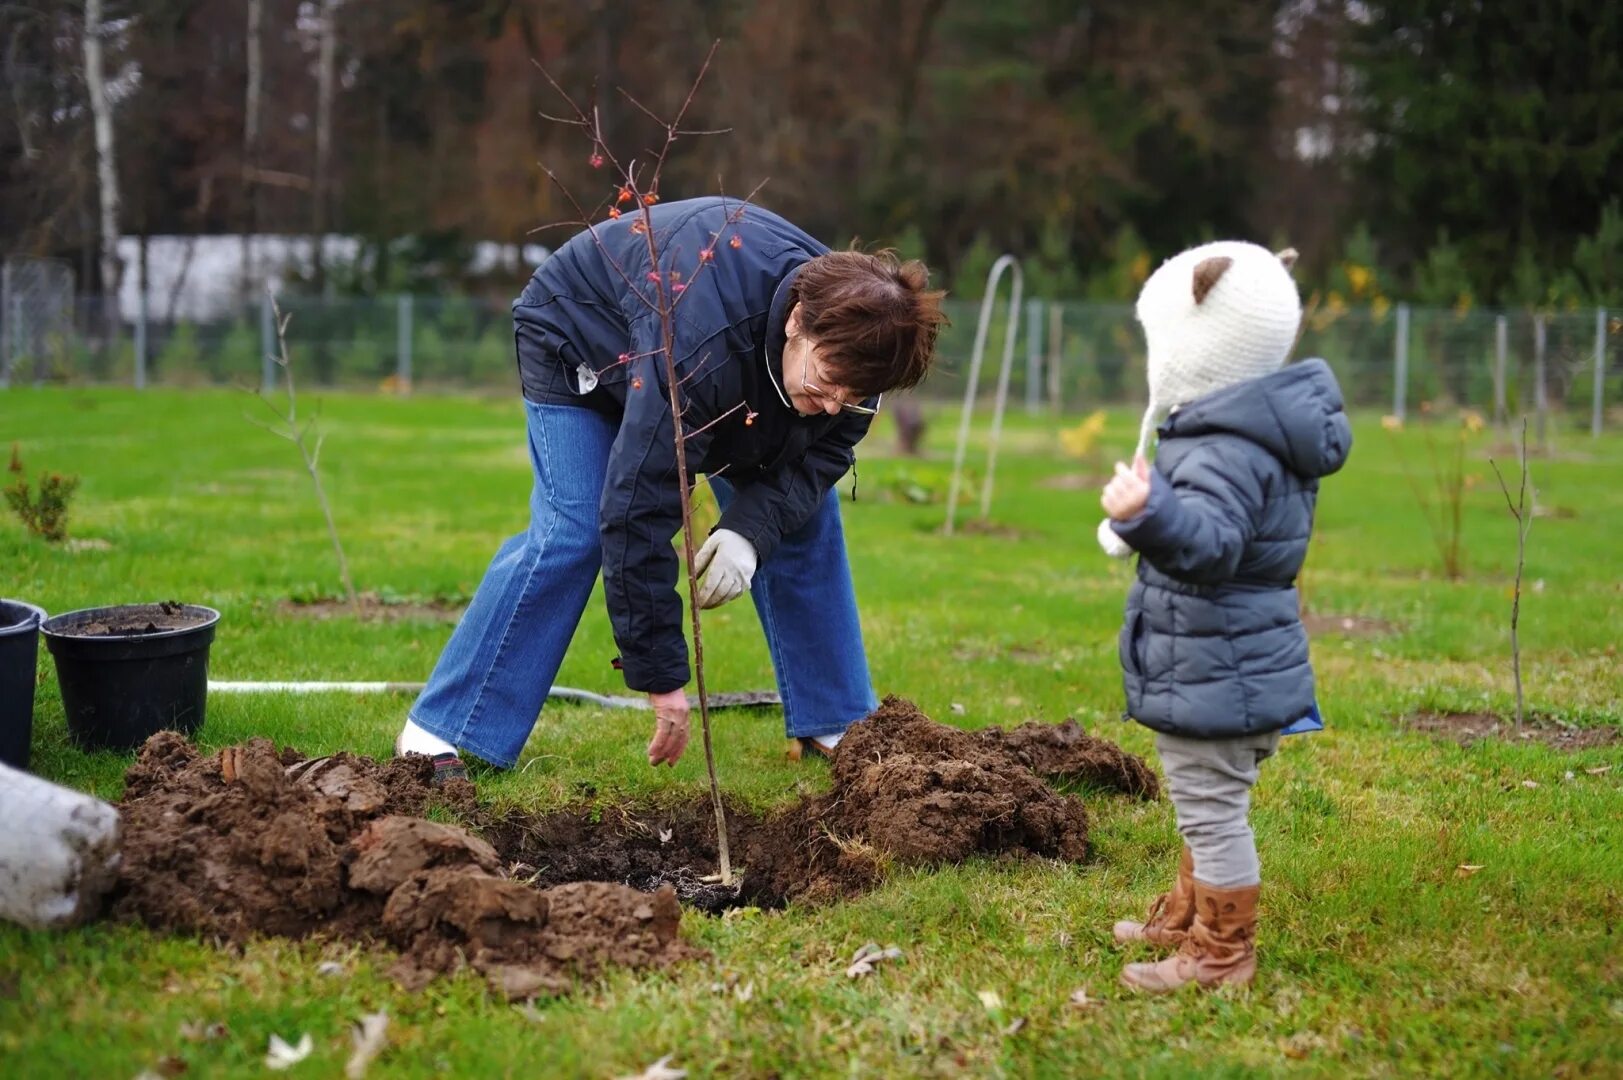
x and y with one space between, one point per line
45 514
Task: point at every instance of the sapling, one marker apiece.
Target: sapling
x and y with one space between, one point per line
288 426
1524 521
635 191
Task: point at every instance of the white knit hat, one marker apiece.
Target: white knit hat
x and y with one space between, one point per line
1213 316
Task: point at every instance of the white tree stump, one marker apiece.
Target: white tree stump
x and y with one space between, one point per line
58 851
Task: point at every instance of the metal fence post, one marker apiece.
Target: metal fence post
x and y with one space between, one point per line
1034 356
403 343
11 347
267 343
1056 332
141 339
1501 349
1400 365
1541 398
1597 407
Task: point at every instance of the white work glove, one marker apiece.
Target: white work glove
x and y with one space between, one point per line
730 561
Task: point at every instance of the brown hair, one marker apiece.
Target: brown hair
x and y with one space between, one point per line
875 316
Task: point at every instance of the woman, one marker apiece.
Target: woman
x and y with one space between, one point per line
783 349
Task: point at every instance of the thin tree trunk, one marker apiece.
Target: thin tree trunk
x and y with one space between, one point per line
106 168
323 179
250 147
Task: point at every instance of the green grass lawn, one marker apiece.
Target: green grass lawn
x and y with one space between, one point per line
1377 955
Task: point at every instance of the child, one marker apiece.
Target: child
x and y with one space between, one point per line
1214 655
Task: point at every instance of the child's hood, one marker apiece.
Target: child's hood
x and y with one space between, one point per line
1296 414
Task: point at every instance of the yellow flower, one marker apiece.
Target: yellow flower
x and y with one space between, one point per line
1358 277
1472 421
1379 307
1462 305
1080 440
1391 423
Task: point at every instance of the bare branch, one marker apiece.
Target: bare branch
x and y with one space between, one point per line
701 430
646 111
593 230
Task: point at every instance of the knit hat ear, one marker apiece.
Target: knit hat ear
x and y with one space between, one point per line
1207 271
1288 257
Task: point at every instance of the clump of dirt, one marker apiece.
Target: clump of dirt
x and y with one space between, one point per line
906 790
1467 728
1066 752
249 841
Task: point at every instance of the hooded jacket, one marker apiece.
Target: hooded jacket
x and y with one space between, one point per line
588 335
1213 644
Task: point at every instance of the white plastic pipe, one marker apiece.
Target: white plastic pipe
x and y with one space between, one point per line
565 693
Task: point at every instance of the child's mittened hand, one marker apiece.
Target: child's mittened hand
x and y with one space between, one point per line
1128 491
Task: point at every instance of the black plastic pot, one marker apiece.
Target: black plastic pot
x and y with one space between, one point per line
19 653
127 672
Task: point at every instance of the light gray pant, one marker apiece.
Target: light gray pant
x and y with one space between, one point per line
1210 782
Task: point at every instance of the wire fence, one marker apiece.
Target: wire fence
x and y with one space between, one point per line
1564 368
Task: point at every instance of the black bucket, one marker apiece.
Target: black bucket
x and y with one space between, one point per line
19 653
130 671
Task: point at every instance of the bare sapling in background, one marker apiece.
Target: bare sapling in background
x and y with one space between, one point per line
287 425
1524 521
636 190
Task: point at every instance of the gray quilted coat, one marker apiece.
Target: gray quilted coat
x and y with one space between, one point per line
1213 645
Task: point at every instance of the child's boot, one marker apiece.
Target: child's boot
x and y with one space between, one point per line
1171 913
1219 948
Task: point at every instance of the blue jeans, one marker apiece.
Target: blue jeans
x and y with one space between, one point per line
488 687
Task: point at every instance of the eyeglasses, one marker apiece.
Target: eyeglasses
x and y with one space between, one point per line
823 395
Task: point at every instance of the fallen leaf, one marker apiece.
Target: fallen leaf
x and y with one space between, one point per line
745 992
957 709
1599 770
1298 1046
530 1012
197 1031
329 967
280 1055
1529 783
1467 869
171 1066
659 1070
869 957
370 1035
665 835
1014 1028
990 999
1081 1000
1570 775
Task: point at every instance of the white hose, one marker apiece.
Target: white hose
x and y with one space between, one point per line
565 693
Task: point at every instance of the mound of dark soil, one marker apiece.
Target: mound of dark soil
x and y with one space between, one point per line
906 789
248 842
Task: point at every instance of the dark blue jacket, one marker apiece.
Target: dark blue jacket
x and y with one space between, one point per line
587 305
1213 645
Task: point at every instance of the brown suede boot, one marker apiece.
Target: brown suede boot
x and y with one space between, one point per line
1171 913
1220 946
